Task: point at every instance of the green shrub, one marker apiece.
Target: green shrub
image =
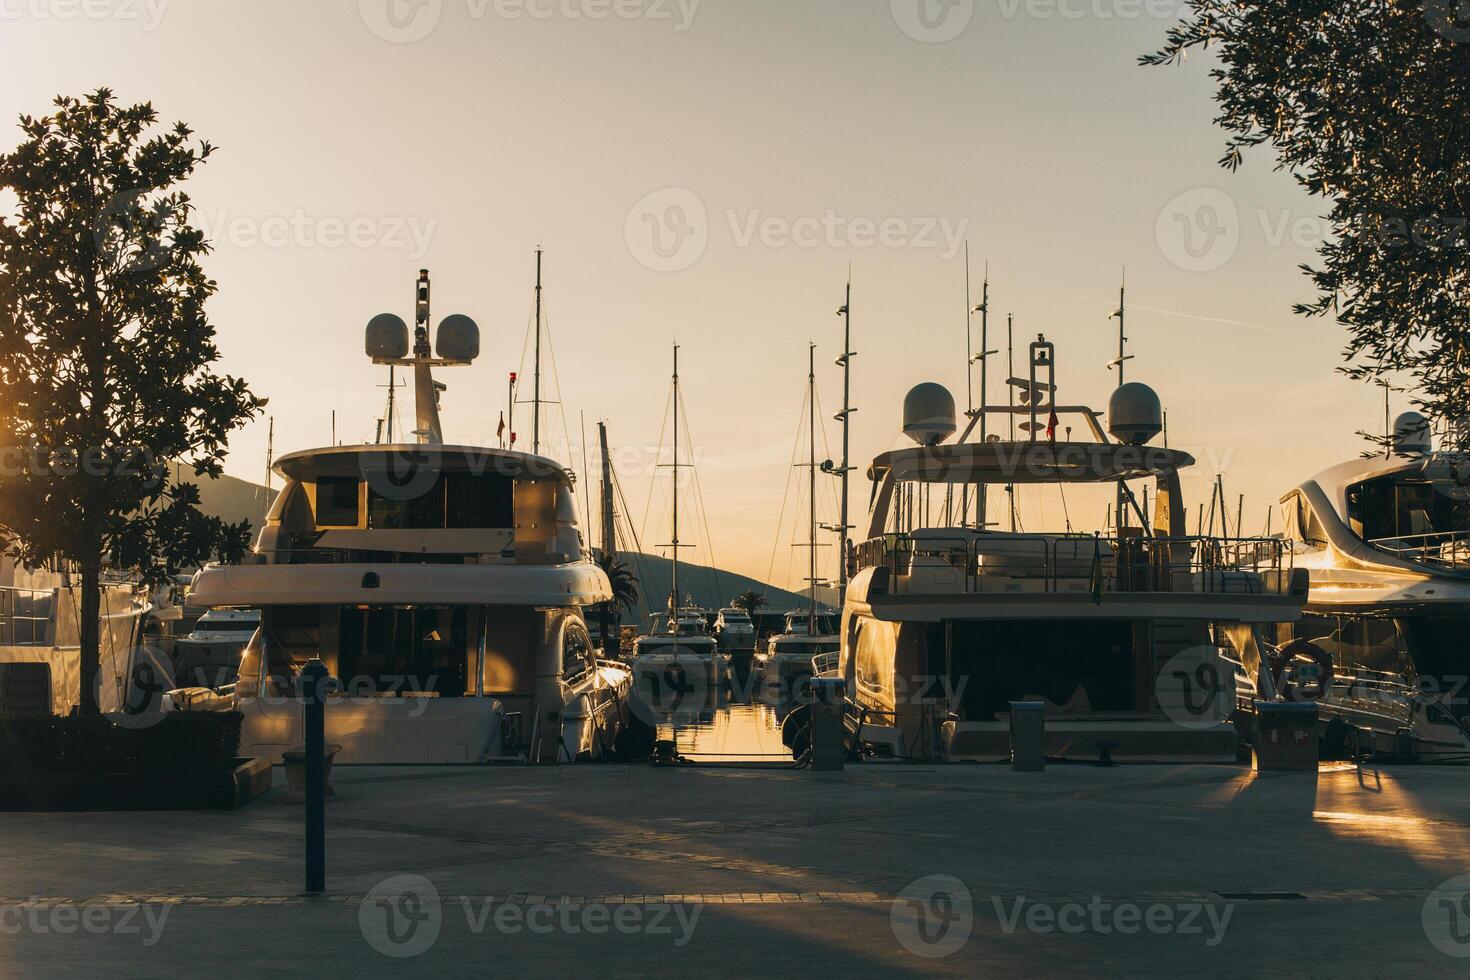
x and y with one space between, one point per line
181 742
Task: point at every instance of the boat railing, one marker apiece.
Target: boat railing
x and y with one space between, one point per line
826 664
1444 549
357 556
984 562
25 616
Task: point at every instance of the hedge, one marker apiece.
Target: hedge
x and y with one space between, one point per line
180 742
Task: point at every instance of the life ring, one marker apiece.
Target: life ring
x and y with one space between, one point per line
1288 655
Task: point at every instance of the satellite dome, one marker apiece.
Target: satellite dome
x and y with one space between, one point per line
928 414
458 338
1411 434
1135 414
387 337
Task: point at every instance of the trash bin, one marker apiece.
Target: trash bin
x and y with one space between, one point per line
1028 736
829 704
1286 736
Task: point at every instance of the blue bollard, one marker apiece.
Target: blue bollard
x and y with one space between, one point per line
314 693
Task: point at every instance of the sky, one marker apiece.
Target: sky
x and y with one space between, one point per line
706 173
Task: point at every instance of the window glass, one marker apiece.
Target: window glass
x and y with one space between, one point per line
337 501
424 509
576 653
484 500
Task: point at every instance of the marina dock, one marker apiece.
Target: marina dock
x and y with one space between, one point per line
738 870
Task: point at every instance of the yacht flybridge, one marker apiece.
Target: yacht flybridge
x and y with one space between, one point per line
1386 542
1117 634
442 585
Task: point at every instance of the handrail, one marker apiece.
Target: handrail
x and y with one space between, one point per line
1450 549
1130 564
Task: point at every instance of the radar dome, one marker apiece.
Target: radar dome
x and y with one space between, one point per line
1134 414
458 338
387 337
928 414
1411 434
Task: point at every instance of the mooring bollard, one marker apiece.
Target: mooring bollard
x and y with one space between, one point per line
829 696
314 693
1028 736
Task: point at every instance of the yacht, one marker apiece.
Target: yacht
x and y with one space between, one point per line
678 662
444 586
40 647
786 663
1386 543
946 623
736 634
209 655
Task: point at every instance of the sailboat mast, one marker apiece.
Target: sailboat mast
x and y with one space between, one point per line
674 591
609 516
846 361
981 498
536 391
811 424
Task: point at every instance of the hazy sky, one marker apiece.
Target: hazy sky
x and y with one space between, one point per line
706 171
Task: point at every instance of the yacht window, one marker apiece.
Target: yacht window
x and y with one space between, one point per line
404 650
485 500
1393 507
337 501
455 500
576 653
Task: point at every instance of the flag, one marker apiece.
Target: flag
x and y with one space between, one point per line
1097 571
1051 426
500 430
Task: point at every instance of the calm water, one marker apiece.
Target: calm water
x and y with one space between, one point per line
739 725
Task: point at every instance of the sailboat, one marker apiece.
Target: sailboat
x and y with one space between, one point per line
787 662
678 664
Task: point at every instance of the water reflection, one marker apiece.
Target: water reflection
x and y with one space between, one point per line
737 720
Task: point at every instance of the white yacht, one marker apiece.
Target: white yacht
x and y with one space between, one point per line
678 662
442 585
945 624
40 646
1386 542
786 663
736 634
209 655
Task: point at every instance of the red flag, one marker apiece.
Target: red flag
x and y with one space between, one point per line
1051 426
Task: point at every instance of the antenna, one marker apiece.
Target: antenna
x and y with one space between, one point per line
536 391
1123 357
511 416
845 417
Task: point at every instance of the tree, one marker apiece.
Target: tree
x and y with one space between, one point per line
624 590
1364 102
750 601
106 354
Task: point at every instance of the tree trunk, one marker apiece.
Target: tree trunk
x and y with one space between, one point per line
90 634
